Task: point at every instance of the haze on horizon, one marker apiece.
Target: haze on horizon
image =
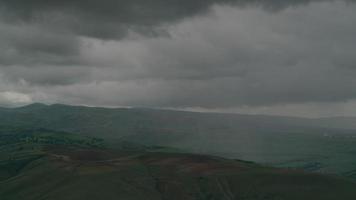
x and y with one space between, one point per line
282 57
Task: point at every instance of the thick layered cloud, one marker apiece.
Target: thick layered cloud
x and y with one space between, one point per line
48 31
110 19
32 45
208 54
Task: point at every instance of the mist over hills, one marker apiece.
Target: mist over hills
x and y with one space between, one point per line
45 164
279 58
76 152
322 145
75 117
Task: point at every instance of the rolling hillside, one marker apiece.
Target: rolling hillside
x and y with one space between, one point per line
310 144
44 164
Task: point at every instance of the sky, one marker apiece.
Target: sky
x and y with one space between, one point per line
280 57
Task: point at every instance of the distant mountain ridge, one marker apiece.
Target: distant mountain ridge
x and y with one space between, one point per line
61 112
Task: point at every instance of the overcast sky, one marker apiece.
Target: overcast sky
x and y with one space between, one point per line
286 57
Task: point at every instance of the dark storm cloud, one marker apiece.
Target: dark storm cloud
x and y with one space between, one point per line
178 53
47 31
27 44
110 19
103 19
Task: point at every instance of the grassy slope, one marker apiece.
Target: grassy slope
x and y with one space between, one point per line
164 176
80 168
279 141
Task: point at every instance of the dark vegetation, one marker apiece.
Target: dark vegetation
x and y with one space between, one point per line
326 145
44 164
65 152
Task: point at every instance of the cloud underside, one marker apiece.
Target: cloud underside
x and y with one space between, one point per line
207 54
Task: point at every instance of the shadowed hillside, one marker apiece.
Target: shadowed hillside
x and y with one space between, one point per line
310 144
42 164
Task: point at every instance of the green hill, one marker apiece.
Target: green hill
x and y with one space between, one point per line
311 144
48 165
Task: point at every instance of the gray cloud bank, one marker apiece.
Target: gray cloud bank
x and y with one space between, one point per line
208 54
108 19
